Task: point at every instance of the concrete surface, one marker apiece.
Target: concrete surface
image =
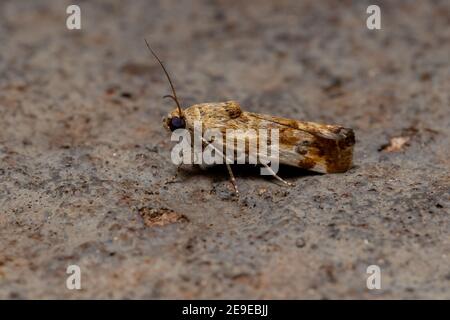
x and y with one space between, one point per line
84 158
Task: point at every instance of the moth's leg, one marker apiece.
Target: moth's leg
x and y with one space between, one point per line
230 172
172 180
276 176
233 180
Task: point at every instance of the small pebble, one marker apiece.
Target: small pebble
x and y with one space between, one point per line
300 243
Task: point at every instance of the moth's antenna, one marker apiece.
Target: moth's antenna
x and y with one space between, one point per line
174 96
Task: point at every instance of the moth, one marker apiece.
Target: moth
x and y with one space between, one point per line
313 146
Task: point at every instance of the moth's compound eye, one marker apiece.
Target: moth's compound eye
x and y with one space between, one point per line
177 123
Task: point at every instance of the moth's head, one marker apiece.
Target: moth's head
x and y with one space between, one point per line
174 121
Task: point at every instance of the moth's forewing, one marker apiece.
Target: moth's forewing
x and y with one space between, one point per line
309 145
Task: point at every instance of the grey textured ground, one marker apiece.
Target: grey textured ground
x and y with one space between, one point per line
84 157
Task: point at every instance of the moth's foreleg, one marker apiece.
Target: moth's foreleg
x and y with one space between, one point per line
226 160
175 176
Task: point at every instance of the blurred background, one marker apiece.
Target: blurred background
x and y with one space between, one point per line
84 158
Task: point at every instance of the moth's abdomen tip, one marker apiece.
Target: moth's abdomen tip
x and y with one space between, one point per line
337 153
347 137
343 158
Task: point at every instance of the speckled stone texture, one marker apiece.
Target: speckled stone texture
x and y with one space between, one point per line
84 159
